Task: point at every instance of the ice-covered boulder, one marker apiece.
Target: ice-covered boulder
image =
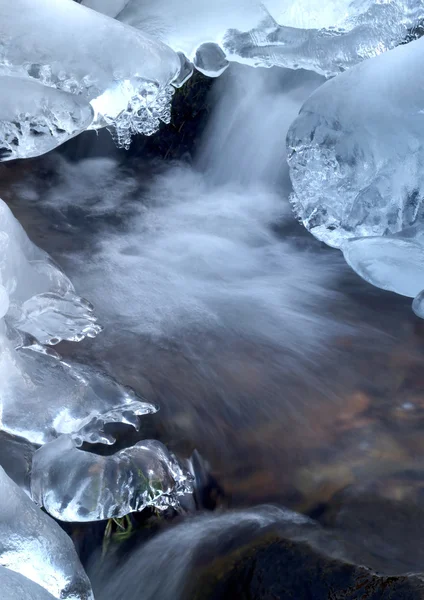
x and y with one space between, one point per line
33 544
356 156
74 485
35 119
124 73
325 37
356 150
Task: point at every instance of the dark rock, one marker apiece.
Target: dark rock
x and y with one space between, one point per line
190 109
208 493
383 533
191 105
280 569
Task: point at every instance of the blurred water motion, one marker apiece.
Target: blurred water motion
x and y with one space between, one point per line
290 375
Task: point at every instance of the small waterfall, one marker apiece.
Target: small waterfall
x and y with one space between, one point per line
200 248
245 140
175 551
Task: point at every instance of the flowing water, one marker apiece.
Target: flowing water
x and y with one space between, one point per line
292 377
176 551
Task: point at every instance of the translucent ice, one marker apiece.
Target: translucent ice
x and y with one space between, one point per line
210 60
32 544
38 297
43 397
356 151
418 305
4 301
291 33
16 587
70 47
16 459
52 317
35 119
74 485
389 263
25 269
107 7
326 37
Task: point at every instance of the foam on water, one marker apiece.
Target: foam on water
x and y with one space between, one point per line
201 247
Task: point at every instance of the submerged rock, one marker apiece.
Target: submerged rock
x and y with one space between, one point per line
262 553
274 568
385 534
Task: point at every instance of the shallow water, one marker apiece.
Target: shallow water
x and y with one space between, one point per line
290 375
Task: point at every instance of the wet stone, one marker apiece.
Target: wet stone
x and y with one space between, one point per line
281 569
385 534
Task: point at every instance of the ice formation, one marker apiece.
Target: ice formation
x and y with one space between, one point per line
326 38
289 33
42 396
210 60
33 544
74 485
128 84
16 459
356 148
16 587
355 158
52 317
35 119
389 263
356 154
124 73
35 295
418 305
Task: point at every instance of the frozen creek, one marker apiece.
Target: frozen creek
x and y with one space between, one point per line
202 349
